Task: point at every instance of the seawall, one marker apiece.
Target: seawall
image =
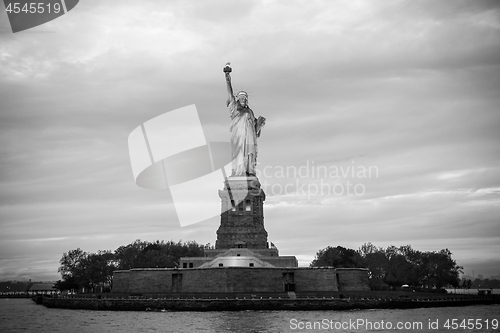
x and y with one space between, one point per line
170 304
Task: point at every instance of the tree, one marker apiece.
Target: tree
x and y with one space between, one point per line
375 260
337 257
440 269
405 265
412 274
71 264
127 257
390 265
398 271
494 283
67 284
98 269
368 248
377 264
81 269
157 254
477 283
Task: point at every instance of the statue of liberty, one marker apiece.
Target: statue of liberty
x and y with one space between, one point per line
245 129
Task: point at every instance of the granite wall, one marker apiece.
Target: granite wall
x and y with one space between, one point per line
350 279
238 280
121 281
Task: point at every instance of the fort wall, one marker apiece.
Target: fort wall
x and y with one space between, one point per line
239 280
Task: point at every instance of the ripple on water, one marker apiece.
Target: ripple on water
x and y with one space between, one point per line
23 315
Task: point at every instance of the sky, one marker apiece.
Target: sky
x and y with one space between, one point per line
382 126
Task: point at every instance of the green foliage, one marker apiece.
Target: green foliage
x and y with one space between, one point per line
15 286
71 263
158 254
481 283
337 257
98 268
396 266
67 284
405 265
440 270
467 283
81 269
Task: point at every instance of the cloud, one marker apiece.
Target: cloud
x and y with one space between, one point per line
408 87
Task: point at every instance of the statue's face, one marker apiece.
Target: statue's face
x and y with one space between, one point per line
242 99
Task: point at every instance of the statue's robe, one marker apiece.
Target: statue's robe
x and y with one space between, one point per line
243 139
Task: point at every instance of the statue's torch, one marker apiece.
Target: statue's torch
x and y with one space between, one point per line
227 68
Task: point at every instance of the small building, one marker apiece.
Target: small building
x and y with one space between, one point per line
484 292
43 288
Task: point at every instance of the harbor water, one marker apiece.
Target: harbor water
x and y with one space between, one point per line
23 315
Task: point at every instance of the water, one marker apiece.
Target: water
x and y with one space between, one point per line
23 315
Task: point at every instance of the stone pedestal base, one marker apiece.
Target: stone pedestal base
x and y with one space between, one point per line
242 217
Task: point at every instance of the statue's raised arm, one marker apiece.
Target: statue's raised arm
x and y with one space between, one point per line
230 96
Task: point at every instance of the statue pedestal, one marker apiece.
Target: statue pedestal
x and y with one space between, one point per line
242 214
241 237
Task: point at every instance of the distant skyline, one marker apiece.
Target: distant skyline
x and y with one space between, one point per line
409 88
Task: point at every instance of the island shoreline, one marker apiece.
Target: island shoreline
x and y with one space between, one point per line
132 303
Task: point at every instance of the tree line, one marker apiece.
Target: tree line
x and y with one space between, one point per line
80 269
481 283
15 286
395 266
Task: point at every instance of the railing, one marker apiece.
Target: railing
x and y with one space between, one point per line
299 296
